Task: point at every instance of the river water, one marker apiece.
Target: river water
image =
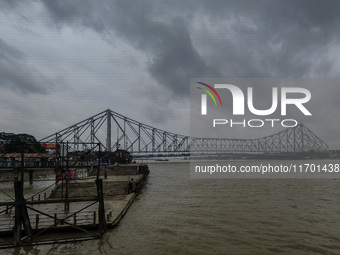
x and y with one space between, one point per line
175 214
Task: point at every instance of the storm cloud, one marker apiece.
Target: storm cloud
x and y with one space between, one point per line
185 39
18 75
149 50
172 56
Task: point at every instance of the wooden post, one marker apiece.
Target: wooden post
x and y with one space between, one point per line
30 176
17 221
101 209
67 203
26 220
37 221
21 214
57 159
55 220
99 163
22 161
62 170
62 184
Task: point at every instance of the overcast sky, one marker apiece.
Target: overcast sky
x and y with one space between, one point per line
64 61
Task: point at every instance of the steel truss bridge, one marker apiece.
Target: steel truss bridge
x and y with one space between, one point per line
114 131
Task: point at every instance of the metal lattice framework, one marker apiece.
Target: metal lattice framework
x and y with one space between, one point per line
142 139
127 134
291 140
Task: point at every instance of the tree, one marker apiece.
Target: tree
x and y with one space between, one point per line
14 143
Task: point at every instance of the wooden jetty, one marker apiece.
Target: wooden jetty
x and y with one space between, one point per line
74 210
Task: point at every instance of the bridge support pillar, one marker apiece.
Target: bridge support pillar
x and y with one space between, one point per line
108 130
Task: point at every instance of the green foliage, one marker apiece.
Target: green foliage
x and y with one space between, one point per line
14 143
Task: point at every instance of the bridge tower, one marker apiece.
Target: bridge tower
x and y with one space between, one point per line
108 130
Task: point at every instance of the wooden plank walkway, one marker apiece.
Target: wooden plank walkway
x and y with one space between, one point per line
82 217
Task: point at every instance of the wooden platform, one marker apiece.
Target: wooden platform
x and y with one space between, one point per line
52 223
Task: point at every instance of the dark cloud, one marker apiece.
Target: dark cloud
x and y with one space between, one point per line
178 61
173 58
8 3
186 39
20 76
273 38
7 51
265 38
82 13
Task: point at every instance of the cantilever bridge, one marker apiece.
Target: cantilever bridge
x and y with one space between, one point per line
141 139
